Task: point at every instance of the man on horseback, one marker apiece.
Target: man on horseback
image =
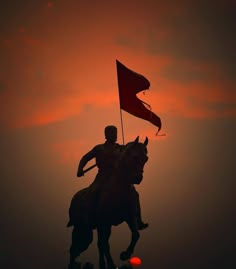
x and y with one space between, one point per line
107 156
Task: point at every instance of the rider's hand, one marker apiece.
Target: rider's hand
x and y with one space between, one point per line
80 173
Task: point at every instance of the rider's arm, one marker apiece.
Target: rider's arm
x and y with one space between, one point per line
86 158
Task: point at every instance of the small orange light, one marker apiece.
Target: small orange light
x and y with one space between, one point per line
135 261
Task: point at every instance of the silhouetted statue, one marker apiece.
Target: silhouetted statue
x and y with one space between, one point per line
107 156
110 199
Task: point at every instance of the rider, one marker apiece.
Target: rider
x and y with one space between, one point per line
106 156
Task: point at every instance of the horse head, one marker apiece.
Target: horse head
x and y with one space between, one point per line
133 160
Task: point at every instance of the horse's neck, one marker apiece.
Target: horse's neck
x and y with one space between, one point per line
120 178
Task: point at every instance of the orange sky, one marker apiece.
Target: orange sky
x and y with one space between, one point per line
58 89
65 59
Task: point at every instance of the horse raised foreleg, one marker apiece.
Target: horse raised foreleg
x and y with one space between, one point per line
125 255
104 232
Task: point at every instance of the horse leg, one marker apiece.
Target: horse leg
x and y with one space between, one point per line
82 237
125 255
104 232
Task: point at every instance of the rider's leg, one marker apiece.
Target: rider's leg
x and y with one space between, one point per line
141 224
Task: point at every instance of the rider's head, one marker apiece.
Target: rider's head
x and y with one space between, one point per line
111 133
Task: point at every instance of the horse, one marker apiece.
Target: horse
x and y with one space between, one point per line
117 203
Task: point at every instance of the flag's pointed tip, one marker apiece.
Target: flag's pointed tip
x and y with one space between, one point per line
157 133
118 62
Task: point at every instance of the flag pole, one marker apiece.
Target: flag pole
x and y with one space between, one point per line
121 119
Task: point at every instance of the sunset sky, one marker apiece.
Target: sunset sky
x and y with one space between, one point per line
58 90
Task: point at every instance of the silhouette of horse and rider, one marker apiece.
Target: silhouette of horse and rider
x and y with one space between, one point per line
111 198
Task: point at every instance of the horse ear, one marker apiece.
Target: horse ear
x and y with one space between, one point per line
146 141
136 140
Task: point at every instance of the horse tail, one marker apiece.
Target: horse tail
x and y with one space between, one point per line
82 237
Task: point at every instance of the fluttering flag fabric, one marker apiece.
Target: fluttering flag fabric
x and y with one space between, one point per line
130 83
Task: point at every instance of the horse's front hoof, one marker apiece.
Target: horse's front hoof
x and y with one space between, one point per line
125 255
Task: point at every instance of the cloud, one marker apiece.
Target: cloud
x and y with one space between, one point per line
197 33
68 151
61 64
197 99
32 100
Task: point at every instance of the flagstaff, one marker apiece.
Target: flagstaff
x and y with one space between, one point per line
121 119
122 129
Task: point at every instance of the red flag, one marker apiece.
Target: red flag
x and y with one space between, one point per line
129 84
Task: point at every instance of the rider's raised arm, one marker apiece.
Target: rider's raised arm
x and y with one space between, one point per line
86 158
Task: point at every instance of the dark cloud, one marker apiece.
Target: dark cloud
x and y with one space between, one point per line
15 15
183 75
202 31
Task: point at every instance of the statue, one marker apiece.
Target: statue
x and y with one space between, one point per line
110 199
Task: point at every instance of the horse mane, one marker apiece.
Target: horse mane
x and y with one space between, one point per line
121 172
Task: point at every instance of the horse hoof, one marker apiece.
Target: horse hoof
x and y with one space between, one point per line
125 255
